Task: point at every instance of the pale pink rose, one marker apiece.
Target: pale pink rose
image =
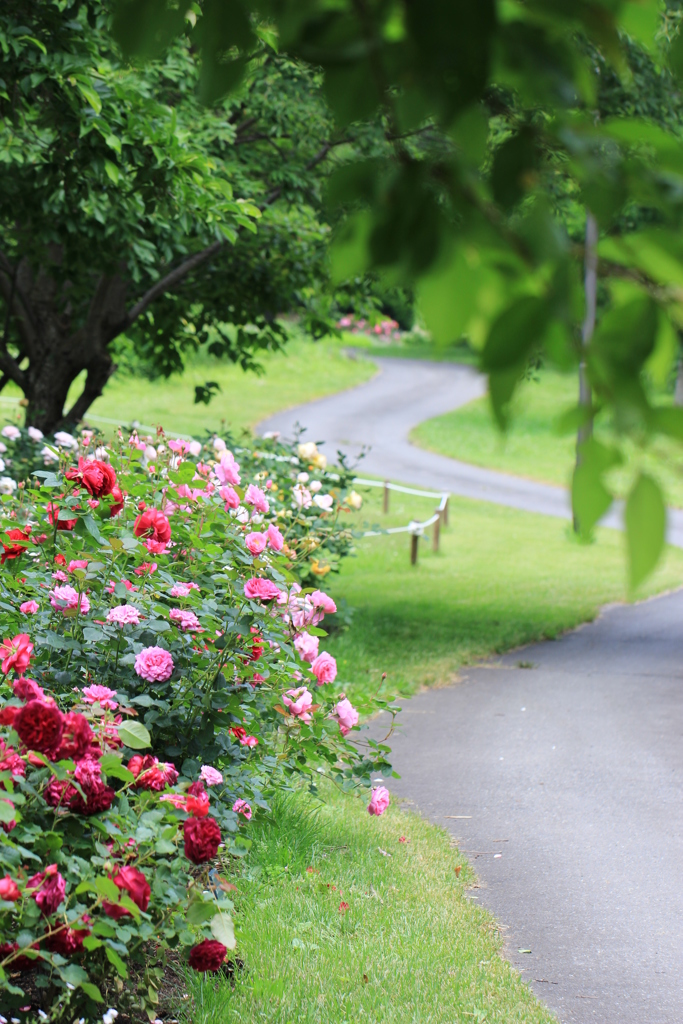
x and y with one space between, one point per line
188 621
124 615
302 496
230 497
256 542
77 563
298 703
218 444
154 664
275 538
346 715
177 445
195 448
260 589
227 470
29 607
324 668
60 576
211 776
307 646
324 501
64 598
379 801
183 589
319 599
255 496
243 808
101 695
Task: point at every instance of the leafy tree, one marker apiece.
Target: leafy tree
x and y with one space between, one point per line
129 204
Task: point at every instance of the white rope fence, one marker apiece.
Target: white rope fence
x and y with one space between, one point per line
415 528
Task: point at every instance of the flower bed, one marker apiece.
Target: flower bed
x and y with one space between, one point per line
163 672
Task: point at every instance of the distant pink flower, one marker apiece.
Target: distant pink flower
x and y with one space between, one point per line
182 589
255 496
260 589
60 576
29 607
78 563
127 584
230 497
211 776
187 621
243 808
154 664
64 598
379 801
275 538
124 615
101 695
227 470
302 496
298 703
149 567
324 668
307 646
346 715
256 542
177 445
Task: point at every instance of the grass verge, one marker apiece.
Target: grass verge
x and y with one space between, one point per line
410 948
531 447
502 578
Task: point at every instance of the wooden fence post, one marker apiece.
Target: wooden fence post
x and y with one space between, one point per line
445 513
413 548
435 534
385 503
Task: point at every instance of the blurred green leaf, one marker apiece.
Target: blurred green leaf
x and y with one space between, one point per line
645 528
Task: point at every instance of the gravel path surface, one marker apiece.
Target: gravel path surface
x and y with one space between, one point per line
561 781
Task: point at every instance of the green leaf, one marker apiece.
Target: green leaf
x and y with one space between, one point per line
645 527
514 168
112 766
590 498
114 958
92 991
93 529
88 93
198 913
112 171
223 930
447 297
514 334
135 735
74 975
7 811
107 888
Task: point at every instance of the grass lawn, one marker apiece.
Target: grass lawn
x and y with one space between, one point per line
502 578
411 947
531 448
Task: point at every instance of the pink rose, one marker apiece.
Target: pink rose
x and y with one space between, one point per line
255 496
154 664
230 497
322 601
324 668
65 598
29 607
124 615
227 470
49 889
275 538
298 703
182 589
346 715
243 808
60 576
260 589
307 646
77 563
256 542
379 801
211 776
187 621
101 695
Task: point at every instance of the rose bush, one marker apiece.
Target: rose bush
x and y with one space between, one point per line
162 674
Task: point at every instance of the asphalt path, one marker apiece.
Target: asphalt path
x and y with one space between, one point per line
557 768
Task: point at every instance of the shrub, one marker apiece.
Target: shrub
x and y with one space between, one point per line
163 675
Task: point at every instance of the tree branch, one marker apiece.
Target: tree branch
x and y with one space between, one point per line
16 297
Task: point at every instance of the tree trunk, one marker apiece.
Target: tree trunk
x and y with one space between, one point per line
678 390
585 431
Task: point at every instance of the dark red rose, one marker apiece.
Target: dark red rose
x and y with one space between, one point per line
202 836
27 689
208 955
14 550
150 773
136 885
197 788
49 889
62 524
8 713
66 941
76 738
153 524
40 726
118 502
20 963
88 774
97 477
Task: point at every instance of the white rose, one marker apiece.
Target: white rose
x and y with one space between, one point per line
2 465
65 440
48 455
303 478
102 454
195 448
150 453
35 434
308 450
241 514
324 501
7 485
302 496
354 500
3 448
315 486
11 432
219 444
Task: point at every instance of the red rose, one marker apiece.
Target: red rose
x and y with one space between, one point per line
60 560
208 955
8 713
153 524
150 773
62 524
97 477
40 726
76 738
9 890
202 836
66 941
88 774
49 889
14 550
118 502
16 653
197 788
136 885
27 689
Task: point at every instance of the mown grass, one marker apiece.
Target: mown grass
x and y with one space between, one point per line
502 578
532 448
411 947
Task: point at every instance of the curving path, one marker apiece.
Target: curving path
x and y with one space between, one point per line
560 780
380 414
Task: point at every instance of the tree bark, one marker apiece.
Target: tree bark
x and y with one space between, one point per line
585 431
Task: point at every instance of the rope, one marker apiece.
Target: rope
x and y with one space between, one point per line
414 526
